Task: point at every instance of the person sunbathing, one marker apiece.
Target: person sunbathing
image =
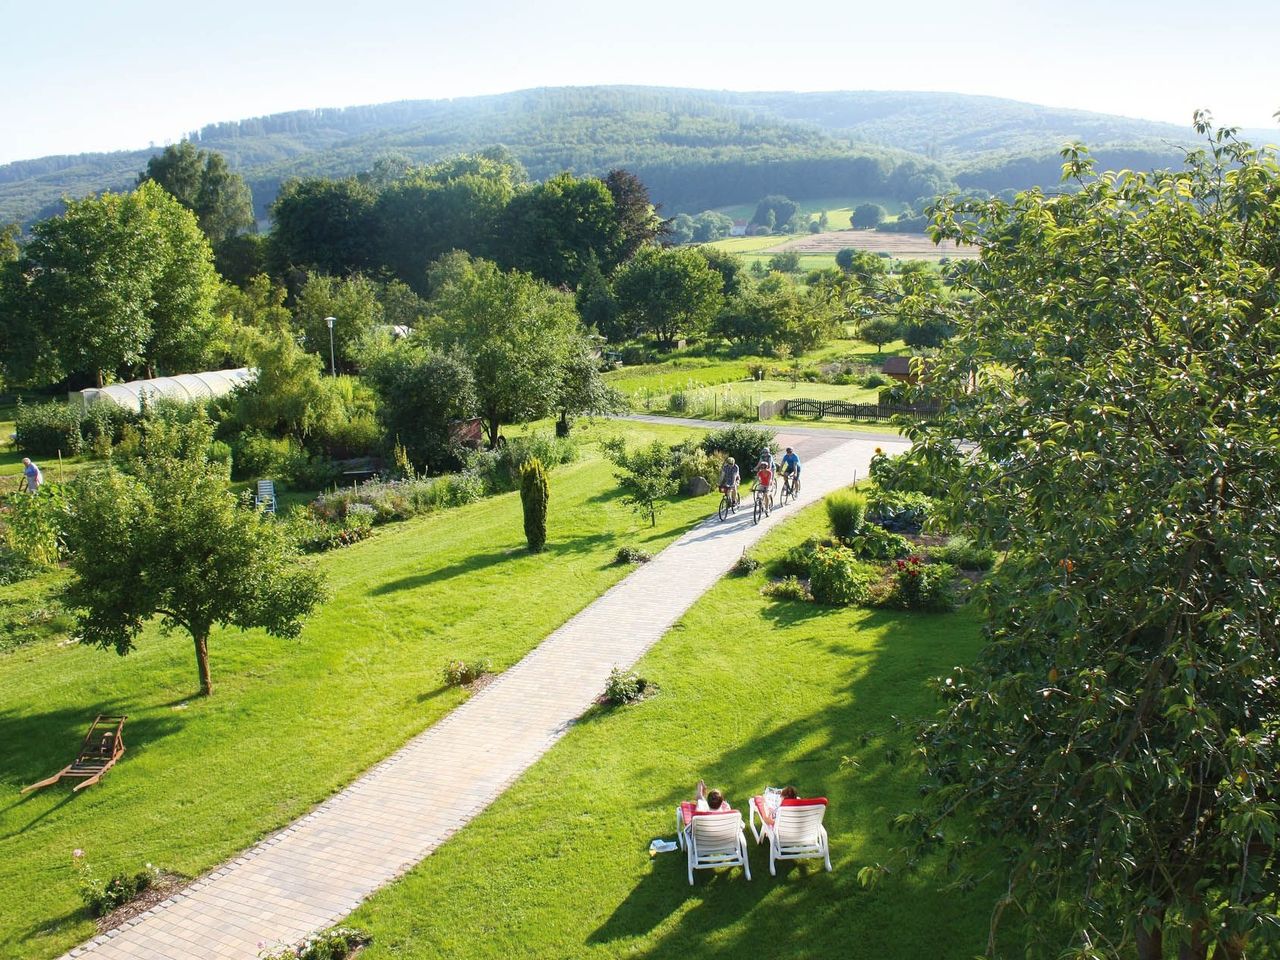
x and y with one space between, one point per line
713 800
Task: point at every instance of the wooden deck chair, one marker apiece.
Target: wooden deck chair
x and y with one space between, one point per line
712 838
103 746
794 832
265 498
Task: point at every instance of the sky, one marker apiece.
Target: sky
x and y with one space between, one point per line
90 75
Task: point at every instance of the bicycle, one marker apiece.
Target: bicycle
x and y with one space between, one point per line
790 487
729 501
762 504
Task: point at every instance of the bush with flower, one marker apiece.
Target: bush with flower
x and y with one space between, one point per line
102 896
335 944
921 586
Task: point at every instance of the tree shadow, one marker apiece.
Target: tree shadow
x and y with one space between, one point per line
472 564
807 910
34 746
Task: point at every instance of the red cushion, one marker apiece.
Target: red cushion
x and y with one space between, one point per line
804 802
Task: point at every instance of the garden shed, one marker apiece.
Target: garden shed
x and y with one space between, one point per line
184 388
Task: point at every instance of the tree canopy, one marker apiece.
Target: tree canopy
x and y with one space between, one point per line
669 292
1110 403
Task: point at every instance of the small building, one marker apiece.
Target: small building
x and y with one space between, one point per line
184 388
739 228
901 369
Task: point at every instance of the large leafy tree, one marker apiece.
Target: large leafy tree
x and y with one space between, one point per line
669 292
452 205
421 392
636 215
169 541
778 312
515 332
355 307
581 390
204 184
557 228
1110 406
325 226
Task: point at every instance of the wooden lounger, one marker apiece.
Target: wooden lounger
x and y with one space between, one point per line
103 746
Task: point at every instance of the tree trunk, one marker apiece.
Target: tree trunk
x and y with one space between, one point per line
202 661
1195 948
562 425
98 380
1233 948
1150 943
491 427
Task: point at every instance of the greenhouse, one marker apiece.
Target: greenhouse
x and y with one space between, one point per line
184 388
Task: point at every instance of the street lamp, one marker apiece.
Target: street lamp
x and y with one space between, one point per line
333 368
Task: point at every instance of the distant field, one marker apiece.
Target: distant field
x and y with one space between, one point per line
838 209
904 246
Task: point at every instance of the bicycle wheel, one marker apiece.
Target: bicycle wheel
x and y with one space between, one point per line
757 511
726 507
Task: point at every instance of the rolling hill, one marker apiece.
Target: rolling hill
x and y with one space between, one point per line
695 149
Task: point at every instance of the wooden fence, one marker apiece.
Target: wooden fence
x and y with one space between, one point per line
819 409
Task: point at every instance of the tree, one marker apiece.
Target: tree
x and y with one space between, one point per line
861 264
534 494
597 305
669 292
171 542
867 215
554 230
879 330
729 266
581 391
785 262
773 210
514 331
325 226
636 215
710 225
186 332
452 205
421 392
202 182
643 474
357 311
118 281
1109 416
681 229
775 313
288 395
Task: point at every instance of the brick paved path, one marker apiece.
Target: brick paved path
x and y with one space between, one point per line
316 871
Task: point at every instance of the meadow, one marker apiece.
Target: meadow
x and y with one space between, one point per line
289 721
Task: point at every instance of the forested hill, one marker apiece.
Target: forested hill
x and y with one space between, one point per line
695 149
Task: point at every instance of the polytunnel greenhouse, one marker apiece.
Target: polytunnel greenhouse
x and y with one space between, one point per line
184 387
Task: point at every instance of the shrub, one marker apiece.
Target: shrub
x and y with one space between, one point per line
534 494
901 510
458 673
16 566
963 553
788 588
837 578
745 564
499 470
43 429
220 454
625 686
742 443
877 543
103 896
921 586
903 474
795 561
335 944
874 380
630 554
346 437
255 455
847 511
691 461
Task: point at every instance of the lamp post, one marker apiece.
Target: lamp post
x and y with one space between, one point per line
333 368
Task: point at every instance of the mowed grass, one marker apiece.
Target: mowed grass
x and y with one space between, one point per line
753 693
289 721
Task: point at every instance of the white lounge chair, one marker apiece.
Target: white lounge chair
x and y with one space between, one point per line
265 498
794 832
712 838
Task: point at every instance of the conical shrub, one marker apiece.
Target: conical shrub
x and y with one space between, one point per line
534 494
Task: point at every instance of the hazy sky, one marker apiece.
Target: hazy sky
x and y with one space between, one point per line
85 75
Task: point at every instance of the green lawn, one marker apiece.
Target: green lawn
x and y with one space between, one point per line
289 721
753 693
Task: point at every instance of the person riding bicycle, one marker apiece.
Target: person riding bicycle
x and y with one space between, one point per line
766 456
764 477
791 465
730 477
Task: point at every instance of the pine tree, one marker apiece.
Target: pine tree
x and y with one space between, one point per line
534 494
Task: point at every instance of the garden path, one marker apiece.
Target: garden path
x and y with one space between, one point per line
317 870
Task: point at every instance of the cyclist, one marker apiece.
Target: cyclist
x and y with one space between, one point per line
791 467
729 480
766 456
764 477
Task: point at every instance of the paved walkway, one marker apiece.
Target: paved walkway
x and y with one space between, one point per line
316 871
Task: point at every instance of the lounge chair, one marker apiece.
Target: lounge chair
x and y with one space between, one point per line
794 831
712 838
265 498
103 746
